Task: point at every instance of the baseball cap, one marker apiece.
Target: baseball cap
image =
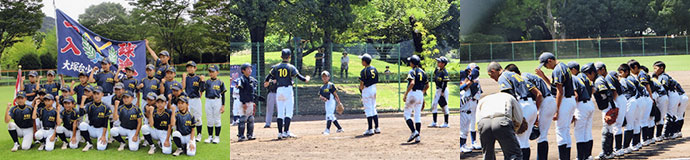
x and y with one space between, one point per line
183 98
105 61
97 89
33 73
191 63
544 57
326 73
21 94
589 67
573 64
170 69
213 68
599 65
164 53
160 97
128 93
366 57
119 85
245 65
51 72
151 96
49 96
41 91
65 88
68 99
286 52
88 88
176 86
131 68
150 67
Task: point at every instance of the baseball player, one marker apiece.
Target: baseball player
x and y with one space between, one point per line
470 90
66 92
441 78
659 109
176 88
246 87
282 75
50 85
680 113
512 83
620 101
129 116
31 87
23 122
79 89
192 84
158 126
662 98
162 61
630 84
130 83
643 100
368 78
648 134
271 100
236 104
48 116
417 84
97 126
38 104
184 128
328 94
116 102
150 101
565 99
67 124
585 109
499 119
215 103
149 84
87 97
106 80
604 97
546 110
167 82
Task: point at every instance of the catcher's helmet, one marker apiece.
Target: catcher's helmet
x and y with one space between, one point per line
366 58
414 59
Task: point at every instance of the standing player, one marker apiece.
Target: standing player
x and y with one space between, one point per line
621 102
67 123
162 61
473 93
246 87
130 84
175 95
368 78
48 116
129 116
660 97
79 89
184 129
604 97
513 84
192 84
632 124
106 80
215 103
51 86
565 99
167 82
328 94
271 99
643 100
97 127
680 113
659 76
23 123
282 75
236 104
416 87
31 87
158 126
441 79
585 110
149 84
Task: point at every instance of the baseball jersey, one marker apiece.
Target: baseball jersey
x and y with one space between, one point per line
630 86
160 71
561 75
105 80
603 94
474 87
184 122
69 118
52 88
193 85
643 78
246 87
48 117
327 90
130 84
583 87
272 87
116 98
168 86
614 84
665 79
539 83
30 88
174 98
678 87
657 87
215 88
513 84
129 114
369 76
98 114
283 74
79 90
161 120
441 78
21 114
419 77
150 85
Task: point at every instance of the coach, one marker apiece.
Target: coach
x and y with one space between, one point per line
499 117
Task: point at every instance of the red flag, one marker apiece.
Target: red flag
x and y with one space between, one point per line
17 86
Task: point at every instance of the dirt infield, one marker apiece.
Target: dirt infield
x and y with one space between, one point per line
437 143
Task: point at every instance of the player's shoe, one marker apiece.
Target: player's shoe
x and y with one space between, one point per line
64 146
242 138
637 147
465 148
290 135
369 132
280 136
209 139
152 149
122 147
619 152
87 147
645 143
659 139
235 123
250 137
145 143
40 148
445 125
377 131
216 139
677 135
418 139
414 135
178 152
339 131
267 126
433 125
15 147
198 137
476 146
326 132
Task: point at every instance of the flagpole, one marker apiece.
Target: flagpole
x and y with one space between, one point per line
57 39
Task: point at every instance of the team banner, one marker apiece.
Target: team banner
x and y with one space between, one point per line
79 50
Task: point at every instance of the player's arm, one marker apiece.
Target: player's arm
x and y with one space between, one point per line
299 76
136 137
74 127
222 94
103 135
184 79
149 115
337 98
34 114
173 122
7 112
539 96
93 71
559 98
409 86
151 52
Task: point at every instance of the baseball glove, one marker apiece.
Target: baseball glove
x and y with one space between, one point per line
535 133
339 108
611 116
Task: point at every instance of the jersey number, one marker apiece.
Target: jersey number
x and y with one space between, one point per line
373 75
282 72
517 78
419 74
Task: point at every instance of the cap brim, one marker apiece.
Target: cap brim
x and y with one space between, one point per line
540 65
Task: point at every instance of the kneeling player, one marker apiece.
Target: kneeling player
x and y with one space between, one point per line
184 129
48 116
158 126
69 118
97 127
23 123
130 123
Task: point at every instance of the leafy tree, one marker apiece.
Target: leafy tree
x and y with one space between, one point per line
18 18
109 20
222 28
30 61
255 14
670 16
48 61
17 51
166 19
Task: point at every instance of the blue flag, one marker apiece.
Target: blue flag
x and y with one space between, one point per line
80 50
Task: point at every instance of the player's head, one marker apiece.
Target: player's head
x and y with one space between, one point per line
589 70
127 97
494 69
623 70
83 77
286 54
659 67
441 61
68 103
151 98
246 69
48 100
548 60
164 56
97 93
170 73
414 61
21 98
182 103
161 101
344 53
366 59
51 75
601 68
325 76
644 68
513 68
105 65
176 89
150 70
634 66
119 88
191 67
574 67
129 71
213 71
388 67
88 91
65 90
32 76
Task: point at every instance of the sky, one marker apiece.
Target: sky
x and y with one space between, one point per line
74 8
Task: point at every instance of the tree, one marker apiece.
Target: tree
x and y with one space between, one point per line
222 28
167 17
30 61
670 16
18 18
110 20
255 14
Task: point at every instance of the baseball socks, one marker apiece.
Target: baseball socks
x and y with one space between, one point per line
542 150
337 125
376 123
369 120
149 139
434 116
63 137
13 134
86 136
445 118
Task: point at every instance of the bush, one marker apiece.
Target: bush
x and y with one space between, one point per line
48 61
30 61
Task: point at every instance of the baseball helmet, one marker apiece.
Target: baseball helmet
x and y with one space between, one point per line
414 59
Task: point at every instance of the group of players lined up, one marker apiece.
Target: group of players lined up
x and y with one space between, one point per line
170 111
639 102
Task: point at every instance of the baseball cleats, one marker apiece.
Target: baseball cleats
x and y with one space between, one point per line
290 135
377 131
445 125
250 137
216 139
209 139
433 125
152 149
414 135
326 132
466 149
197 138
280 136
40 148
240 139
178 152
64 146
418 139
369 132
15 147
87 147
476 146
122 147
339 131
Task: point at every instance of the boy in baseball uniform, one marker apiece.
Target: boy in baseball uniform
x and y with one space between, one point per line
630 84
79 88
236 104
97 126
620 101
271 100
31 87
184 129
129 116
130 83
604 97
659 94
22 122
246 87
106 80
328 94
159 126
662 96
167 82
192 84
368 78
162 61
51 86
282 75
585 109
215 103
471 91
149 84
565 99
417 84
680 113
644 102
67 124
48 116
441 78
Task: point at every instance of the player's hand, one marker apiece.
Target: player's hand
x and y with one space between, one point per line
184 76
307 79
9 104
166 144
52 138
94 70
222 109
135 138
538 72
169 97
23 78
140 86
555 117
146 41
40 77
405 98
102 140
192 146
73 140
163 80
202 77
523 127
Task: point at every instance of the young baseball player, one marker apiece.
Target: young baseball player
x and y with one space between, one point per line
643 100
184 129
97 126
282 75
659 109
67 124
149 84
659 77
87 97
162 61
167 82
106 80
512 83
116 102
368 78
192 84
38 104
150 101
585 109
630 84
66 92
48 116
215 103
648 133
31 87
246 87
680 113
271 100
158 126
604 97
129 116
621 102
50 85
130 84
236 104
441 79
79 89
417 84
328 94
471 91
22 124
175 95
565 99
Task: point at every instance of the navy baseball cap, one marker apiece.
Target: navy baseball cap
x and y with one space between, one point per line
97 89
68 99
160 98
164 53
150 67
183 98
599 65
119 85
41 91
589 67
21 94
544 57
366 58
170 69
191 63
49 96
106 61
51 72
151 96
82 73
326 73
573 64
176 86
131 68
65 88
128 93
88 88
245 66
33 73
286 52
213 68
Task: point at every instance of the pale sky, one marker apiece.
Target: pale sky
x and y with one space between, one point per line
74 8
